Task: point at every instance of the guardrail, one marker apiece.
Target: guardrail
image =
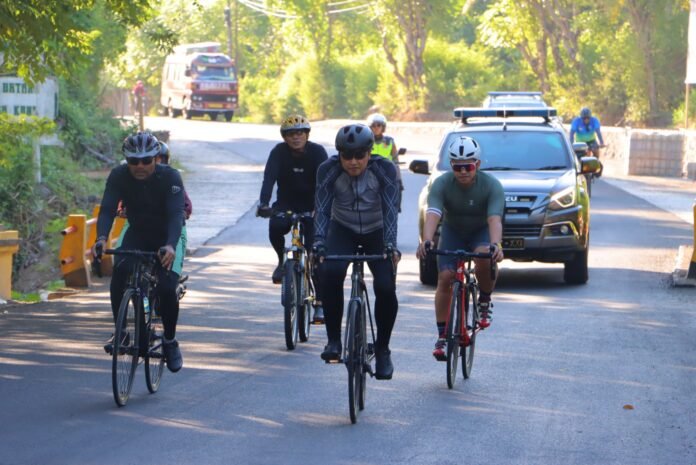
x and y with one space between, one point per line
9 245
79 235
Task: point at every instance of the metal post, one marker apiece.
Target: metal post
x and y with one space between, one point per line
141 112
36 146
228 24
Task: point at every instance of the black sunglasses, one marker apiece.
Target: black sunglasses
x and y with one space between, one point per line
135 160
468 167
351 155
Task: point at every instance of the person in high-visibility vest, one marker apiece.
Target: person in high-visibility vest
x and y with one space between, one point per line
384 145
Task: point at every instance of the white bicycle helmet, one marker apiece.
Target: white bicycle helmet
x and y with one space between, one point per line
464 148
377 118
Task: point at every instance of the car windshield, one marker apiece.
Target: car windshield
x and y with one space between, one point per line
213 72
515 150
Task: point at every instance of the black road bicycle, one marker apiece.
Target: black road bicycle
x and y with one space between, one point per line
358 353
139 331
463 319
297 290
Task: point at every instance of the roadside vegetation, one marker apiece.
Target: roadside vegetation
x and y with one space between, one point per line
412 59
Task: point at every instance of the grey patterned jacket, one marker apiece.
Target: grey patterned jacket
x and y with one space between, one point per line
363 204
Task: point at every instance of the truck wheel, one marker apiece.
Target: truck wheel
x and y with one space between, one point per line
576 270
228 116
213 116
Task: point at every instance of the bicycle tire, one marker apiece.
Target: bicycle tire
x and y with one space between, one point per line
352 359
472 321
363 353
304 305
125 347
453 334
154 358
290 304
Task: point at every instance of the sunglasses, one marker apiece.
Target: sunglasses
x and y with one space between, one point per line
351 155
293 132
468 167
377 125
136 161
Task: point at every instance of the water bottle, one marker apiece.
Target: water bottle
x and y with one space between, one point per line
146 308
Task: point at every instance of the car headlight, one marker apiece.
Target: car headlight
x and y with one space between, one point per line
563 199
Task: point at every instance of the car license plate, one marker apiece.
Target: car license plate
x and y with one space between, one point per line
215 105
513 243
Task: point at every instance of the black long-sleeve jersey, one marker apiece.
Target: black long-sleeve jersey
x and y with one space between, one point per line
155 205
296 177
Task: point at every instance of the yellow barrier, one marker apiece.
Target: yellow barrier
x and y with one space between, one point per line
75 253
9 245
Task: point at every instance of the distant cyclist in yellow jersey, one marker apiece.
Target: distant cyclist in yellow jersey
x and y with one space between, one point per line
384 145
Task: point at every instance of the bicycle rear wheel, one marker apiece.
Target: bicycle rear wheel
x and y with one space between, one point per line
154 359
453 334
125 348
304 306
290 304
472 319
352 359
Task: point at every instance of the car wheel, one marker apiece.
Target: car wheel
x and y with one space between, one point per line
428 270
576 270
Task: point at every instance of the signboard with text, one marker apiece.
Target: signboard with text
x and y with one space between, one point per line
19 98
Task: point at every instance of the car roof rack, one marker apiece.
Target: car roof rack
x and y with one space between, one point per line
464 113
515 92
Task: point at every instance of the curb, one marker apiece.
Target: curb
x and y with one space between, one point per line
681 269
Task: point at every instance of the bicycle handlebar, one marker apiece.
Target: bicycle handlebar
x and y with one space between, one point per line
467 255
354 258
290 214
133 253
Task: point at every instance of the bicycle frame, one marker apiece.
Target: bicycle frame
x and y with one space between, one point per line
297 250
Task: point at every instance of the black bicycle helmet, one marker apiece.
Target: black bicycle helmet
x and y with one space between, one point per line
140 145
164 152
354 138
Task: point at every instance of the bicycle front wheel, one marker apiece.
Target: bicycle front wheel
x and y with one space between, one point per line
154 358
304 305
472 319
362 345
353 359
290 304
125 347
453 334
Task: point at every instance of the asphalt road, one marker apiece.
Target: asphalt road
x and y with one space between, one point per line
595 374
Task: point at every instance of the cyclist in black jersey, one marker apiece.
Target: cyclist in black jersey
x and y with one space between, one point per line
292 165
357 204
153 195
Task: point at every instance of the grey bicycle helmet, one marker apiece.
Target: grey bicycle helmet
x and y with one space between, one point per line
140 145
354 138
585 112
164 153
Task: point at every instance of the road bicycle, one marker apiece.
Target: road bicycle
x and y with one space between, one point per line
139 330
463 319
582 149
358 353
297 289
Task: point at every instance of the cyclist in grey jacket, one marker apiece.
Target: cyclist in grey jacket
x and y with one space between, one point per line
357 204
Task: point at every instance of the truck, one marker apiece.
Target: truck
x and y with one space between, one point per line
198 79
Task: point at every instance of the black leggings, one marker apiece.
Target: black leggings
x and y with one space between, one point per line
278 227
166 286
343 241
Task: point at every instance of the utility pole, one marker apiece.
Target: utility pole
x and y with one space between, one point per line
228 24
236 35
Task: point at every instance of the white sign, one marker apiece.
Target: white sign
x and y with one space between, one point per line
19 98
691 56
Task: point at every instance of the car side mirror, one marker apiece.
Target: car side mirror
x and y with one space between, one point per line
419 167
589 165
580 149
187 73
402 151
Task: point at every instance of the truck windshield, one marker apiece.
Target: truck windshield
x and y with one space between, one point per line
213 72
515 150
